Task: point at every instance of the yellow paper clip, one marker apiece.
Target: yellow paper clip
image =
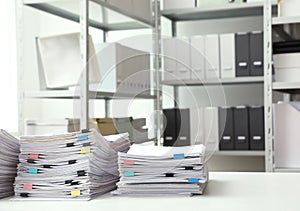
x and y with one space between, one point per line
75 192
85 150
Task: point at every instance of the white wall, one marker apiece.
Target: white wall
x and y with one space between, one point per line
8 79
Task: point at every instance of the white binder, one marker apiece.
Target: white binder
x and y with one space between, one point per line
197 57
212 54
227 53
183 58
169 59
197 125
211 129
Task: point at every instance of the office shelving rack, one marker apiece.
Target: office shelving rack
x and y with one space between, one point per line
266 9
288 89
81 15
263 9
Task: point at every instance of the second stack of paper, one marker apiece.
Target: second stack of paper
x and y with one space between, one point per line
149 170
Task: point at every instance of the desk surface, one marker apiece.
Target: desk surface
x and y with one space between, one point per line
225 191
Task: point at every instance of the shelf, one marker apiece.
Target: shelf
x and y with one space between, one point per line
103 15
66 94
223 81
288 87
285 20
239 153
225 11
287 170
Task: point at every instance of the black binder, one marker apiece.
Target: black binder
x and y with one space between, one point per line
176 127
256 54
183 127
256 120
242 54
226 135
241 128
169 122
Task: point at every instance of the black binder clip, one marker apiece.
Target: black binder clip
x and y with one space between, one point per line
85 131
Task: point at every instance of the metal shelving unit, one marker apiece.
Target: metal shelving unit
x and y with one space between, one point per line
82 14
263 9
287 88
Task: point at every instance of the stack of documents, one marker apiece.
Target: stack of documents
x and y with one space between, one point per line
149 170
79 165
9 152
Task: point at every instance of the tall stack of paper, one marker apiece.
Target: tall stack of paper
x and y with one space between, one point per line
149 170
9 151
78 165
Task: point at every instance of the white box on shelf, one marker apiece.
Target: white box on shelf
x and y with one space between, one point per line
211 129
59 61
197 57
169 59
197 125
178 4
287 135
227 54
287 67
124 69
212 56
289 8
183 58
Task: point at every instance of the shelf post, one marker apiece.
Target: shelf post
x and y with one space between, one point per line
157 68
269 159
84 53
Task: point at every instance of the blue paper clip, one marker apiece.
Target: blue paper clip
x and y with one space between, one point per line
32 171
193 180
178 156
129 174
82 138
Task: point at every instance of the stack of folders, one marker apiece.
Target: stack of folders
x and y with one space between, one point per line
157 170
79 165
9 151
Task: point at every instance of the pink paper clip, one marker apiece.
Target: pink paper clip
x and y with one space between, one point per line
129 162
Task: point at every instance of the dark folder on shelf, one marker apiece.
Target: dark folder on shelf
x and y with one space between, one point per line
226 123
241 128
170 133
256 54
242 54
183 127
176 127
256 123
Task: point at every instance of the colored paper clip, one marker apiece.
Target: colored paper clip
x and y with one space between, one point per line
85 131
85 150
33 171
27 186
75 192
33 156
129 162
193 180
129 174
82 138
178 156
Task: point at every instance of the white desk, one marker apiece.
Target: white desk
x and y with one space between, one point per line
225 191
